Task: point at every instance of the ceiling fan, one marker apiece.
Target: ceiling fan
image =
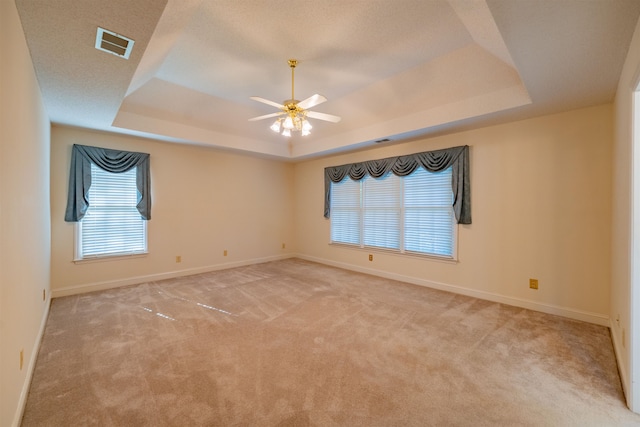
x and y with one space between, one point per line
293 116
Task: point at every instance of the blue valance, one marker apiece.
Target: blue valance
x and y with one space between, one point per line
115 161
433 161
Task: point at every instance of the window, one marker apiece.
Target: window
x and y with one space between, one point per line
112 224
411 214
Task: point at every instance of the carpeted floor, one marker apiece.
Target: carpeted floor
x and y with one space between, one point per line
294 343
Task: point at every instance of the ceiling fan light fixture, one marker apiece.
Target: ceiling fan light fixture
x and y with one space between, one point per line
294 113
288 123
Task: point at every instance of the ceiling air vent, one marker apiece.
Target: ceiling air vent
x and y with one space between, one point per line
108 41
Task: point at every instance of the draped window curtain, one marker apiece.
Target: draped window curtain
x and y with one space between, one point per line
433 161
114 161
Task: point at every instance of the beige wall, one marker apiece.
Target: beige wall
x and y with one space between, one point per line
24 215
541 207
204 201
622 229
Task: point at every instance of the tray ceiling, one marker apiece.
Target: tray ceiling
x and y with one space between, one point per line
394 70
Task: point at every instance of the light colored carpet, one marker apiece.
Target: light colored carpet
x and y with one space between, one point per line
294 343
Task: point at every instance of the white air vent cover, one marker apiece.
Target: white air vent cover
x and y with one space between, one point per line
111 42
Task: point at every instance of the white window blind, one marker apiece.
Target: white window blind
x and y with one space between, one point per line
346 212
381 213
429 219
411 214
112 224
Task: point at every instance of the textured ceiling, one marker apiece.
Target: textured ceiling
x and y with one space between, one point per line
391 69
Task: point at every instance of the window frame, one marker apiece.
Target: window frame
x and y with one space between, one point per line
401 251
105 257
79 257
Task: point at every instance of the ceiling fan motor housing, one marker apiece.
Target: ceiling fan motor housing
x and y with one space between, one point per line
291 105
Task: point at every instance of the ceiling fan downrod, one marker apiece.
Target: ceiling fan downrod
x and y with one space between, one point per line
292 64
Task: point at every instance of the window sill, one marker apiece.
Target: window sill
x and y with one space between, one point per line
105 258
371 249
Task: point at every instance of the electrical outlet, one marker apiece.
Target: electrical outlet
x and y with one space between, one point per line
178 258
370 257
283 246
225 252
21 358
533 283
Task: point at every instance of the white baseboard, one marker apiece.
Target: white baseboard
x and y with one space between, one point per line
22 402
101 286
622 370
596 318
585 316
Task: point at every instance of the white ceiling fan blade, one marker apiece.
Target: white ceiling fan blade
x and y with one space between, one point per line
266 101
312 101
323 116
267 116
